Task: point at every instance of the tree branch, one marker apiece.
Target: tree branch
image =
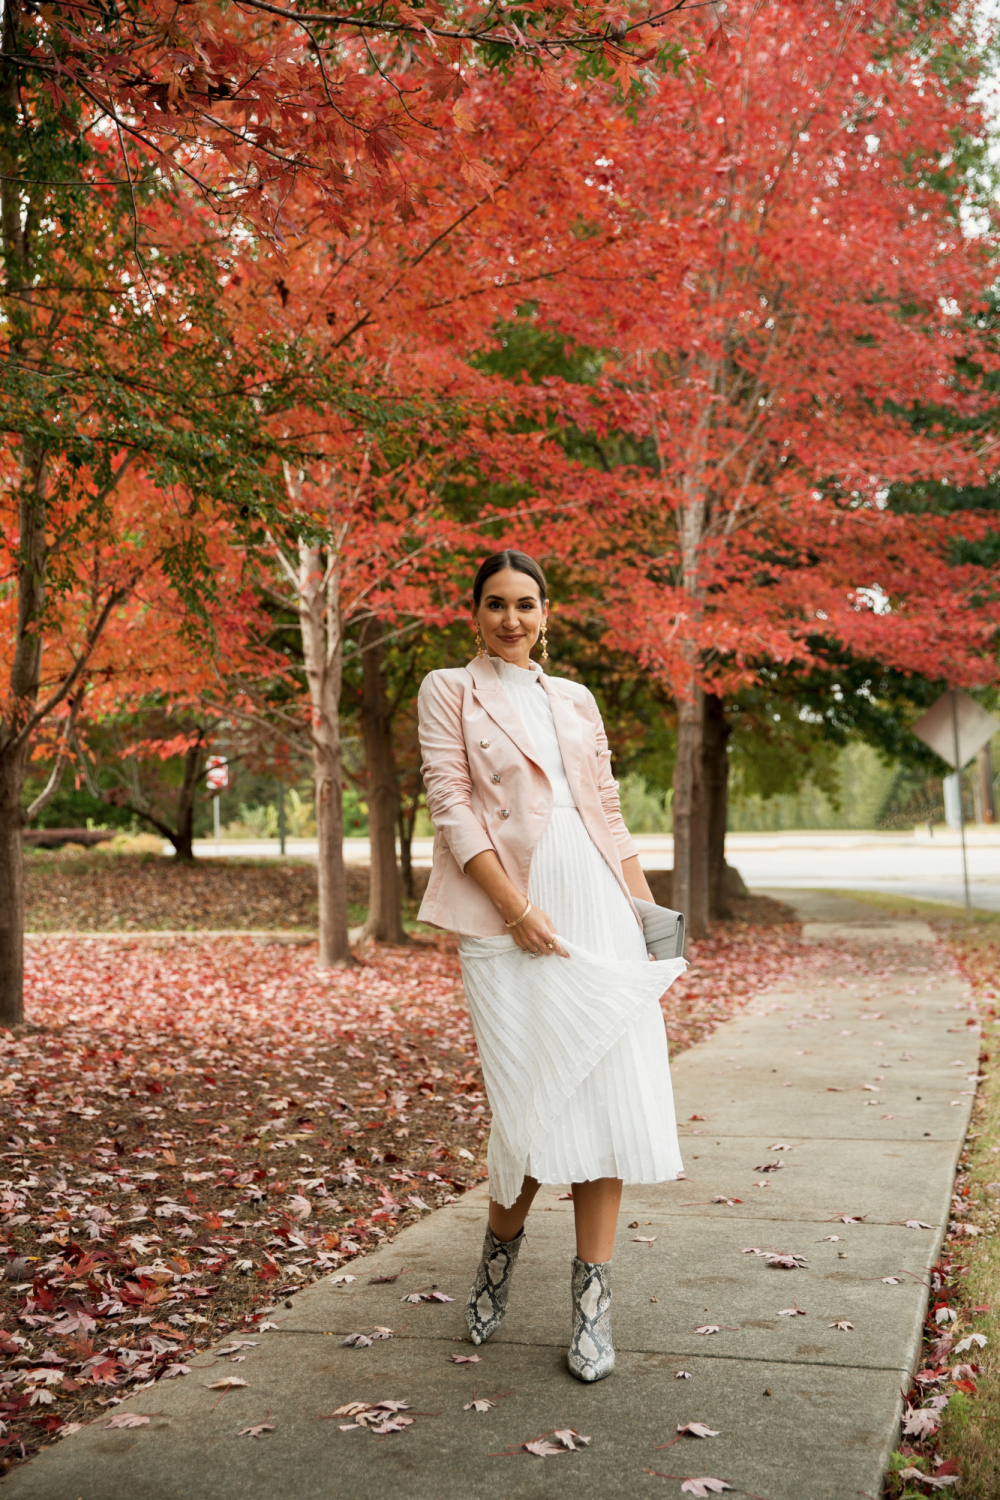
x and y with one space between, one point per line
62 760
79 666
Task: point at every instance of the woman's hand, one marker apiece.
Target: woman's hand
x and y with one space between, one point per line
536 935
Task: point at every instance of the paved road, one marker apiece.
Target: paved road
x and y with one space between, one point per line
918 865
804 1410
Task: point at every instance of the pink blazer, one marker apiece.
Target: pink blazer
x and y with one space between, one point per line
485 790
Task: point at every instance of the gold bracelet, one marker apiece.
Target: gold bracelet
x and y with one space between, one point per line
520 918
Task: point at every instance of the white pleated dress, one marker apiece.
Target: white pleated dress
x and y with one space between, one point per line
574 1051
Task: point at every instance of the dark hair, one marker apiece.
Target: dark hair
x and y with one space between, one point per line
509 558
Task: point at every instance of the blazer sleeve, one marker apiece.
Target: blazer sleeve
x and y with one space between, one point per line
445 768
607 787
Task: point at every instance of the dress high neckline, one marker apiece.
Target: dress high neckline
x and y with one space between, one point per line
517 676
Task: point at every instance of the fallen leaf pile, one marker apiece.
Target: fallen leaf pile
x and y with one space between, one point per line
97 892
778 1260
381 1418
193 1128
366 1340
787 1262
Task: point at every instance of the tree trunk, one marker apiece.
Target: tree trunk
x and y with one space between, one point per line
987 801
13 764
690 885
15 743
22 210
20 695
688 807
183 839
385 915
715 762
317 586
407 823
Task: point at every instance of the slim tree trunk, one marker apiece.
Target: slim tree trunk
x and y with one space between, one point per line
12 769
987 801
15 742
690 885
317 586
182 835
407 823
385 916
19 696
22 210
690 880
183 839
715 761
25 677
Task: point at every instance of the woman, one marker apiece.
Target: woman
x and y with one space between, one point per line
534 867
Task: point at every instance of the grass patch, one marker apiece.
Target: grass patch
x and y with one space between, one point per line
966 1281
932 911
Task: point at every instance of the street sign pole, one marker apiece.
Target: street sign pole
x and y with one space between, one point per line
215 805
956 728
961 809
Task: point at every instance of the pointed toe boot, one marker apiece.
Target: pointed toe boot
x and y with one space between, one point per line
487 1304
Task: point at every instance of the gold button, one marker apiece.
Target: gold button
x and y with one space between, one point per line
484 744
504 813
496 775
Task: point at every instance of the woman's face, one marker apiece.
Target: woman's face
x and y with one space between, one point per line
510 616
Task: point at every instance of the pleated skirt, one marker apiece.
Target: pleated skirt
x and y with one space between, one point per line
574 1051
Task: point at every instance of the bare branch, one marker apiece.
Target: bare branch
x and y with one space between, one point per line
62 760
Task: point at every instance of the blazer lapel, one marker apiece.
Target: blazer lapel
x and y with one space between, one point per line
489 691
568 732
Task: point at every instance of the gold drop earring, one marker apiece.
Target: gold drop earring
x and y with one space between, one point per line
479 642
545 642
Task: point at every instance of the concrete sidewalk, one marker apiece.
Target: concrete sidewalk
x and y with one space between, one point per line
804 1410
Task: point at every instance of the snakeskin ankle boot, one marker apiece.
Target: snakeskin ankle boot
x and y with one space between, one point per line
591 1352
487 1304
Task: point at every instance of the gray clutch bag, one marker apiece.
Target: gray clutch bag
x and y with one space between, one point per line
662 928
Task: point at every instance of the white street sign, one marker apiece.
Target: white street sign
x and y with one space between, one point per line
217 777
953 711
